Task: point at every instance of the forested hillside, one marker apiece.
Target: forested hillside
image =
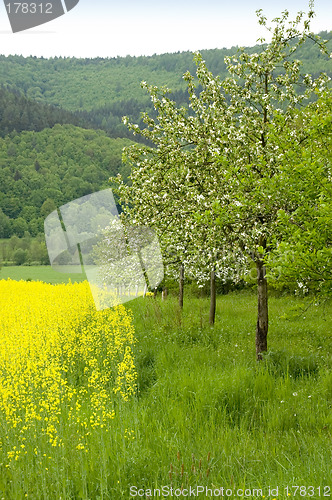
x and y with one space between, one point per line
42 170
107 89
93 83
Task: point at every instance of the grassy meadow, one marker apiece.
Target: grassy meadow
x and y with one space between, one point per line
39 273
205 413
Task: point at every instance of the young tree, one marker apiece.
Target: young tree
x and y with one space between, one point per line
168 205
220 164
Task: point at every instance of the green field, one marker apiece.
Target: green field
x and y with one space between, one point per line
38 273
203 394
206 413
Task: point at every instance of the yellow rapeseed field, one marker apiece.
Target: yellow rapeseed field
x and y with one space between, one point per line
62 364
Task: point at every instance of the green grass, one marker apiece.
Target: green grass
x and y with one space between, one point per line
201 392
206 412
38 273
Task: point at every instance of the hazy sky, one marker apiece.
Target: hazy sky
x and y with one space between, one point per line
102 28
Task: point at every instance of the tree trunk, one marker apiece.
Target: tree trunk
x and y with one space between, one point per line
262 316
181 286
212 297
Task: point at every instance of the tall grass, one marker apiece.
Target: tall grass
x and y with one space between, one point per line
201 391
206 413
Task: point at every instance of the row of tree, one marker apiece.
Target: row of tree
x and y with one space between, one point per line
242 178
24 251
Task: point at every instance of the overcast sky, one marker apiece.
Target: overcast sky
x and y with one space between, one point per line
106 29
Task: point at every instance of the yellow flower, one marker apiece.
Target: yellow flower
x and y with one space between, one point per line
60 356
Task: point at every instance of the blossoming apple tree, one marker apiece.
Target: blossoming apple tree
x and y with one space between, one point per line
218 176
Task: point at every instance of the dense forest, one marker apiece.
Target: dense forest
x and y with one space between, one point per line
42 170
18 113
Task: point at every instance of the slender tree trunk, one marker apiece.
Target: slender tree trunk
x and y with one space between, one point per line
181 286
262 316
212 297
